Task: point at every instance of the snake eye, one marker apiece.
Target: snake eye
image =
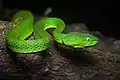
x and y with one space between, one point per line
88 39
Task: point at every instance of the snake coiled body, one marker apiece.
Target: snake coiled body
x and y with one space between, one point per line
24 26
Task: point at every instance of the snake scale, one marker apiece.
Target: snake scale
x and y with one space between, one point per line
24 26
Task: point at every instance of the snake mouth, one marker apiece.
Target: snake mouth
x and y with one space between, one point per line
95 42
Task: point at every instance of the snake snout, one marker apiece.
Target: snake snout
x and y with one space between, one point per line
95 42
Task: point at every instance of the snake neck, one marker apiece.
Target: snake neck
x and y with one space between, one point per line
58 35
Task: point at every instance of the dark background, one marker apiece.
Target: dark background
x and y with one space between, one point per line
98 16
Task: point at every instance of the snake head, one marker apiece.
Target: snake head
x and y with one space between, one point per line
80 40
89 40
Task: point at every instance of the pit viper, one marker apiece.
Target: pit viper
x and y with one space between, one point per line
24 26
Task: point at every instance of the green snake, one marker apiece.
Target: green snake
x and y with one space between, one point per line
24 26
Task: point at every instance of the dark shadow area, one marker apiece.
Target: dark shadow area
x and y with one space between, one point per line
97 77
77 56
13 76
100 16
